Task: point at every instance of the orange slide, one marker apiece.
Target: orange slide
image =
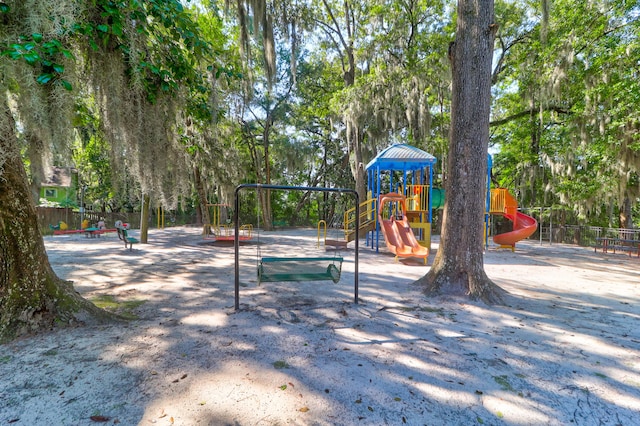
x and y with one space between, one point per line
396 231
523 227
505 204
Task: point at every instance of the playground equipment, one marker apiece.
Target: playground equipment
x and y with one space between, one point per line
300 268
277 269
335 243
218 231
406 170
365 219
396 229
501 203
504 204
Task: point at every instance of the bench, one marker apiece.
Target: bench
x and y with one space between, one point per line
617 244
124 236
629 248
128 241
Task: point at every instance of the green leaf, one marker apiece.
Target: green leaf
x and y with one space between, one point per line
4 8
44 78
12 54
36 37
66 85
67 54
104 28
116 29
52 45
31 58
58 68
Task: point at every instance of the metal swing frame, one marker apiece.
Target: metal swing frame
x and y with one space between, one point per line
291 188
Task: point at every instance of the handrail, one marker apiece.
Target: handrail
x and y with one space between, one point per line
367 214
497 201
246 230
418 198
502 201
325 231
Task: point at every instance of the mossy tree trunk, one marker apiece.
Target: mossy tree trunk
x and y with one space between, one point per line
201 190
145 213
458 268
32 297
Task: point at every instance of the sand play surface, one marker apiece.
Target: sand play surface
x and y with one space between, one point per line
566 349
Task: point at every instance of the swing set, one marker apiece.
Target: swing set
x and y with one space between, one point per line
281 269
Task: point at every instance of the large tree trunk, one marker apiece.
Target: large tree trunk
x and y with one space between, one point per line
36 166
202 196
458 268
625 214
32 297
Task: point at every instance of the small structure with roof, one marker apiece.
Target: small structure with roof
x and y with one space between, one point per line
60 186
407 170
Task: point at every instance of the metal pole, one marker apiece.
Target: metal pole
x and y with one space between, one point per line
82 189
236 247
540 225
550 225
357 242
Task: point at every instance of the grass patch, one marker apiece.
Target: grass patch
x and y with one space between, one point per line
420 309
503 381
279 365
123 308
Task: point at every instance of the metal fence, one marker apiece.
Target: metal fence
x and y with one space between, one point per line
582 235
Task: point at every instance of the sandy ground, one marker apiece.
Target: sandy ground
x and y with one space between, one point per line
566 350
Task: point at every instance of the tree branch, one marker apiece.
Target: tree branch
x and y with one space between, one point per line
527 112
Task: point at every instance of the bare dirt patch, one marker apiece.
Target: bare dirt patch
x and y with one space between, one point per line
565 350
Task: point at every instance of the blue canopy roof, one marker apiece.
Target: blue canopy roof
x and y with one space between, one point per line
402 157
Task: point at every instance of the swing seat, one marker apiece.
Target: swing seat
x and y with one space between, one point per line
276 269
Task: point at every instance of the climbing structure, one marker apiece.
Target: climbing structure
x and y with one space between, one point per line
406 170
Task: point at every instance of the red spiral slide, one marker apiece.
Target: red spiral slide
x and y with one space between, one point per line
523 227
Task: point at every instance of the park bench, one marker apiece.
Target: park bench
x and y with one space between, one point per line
124 236
607 244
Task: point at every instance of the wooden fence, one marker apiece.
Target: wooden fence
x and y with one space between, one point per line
54 215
